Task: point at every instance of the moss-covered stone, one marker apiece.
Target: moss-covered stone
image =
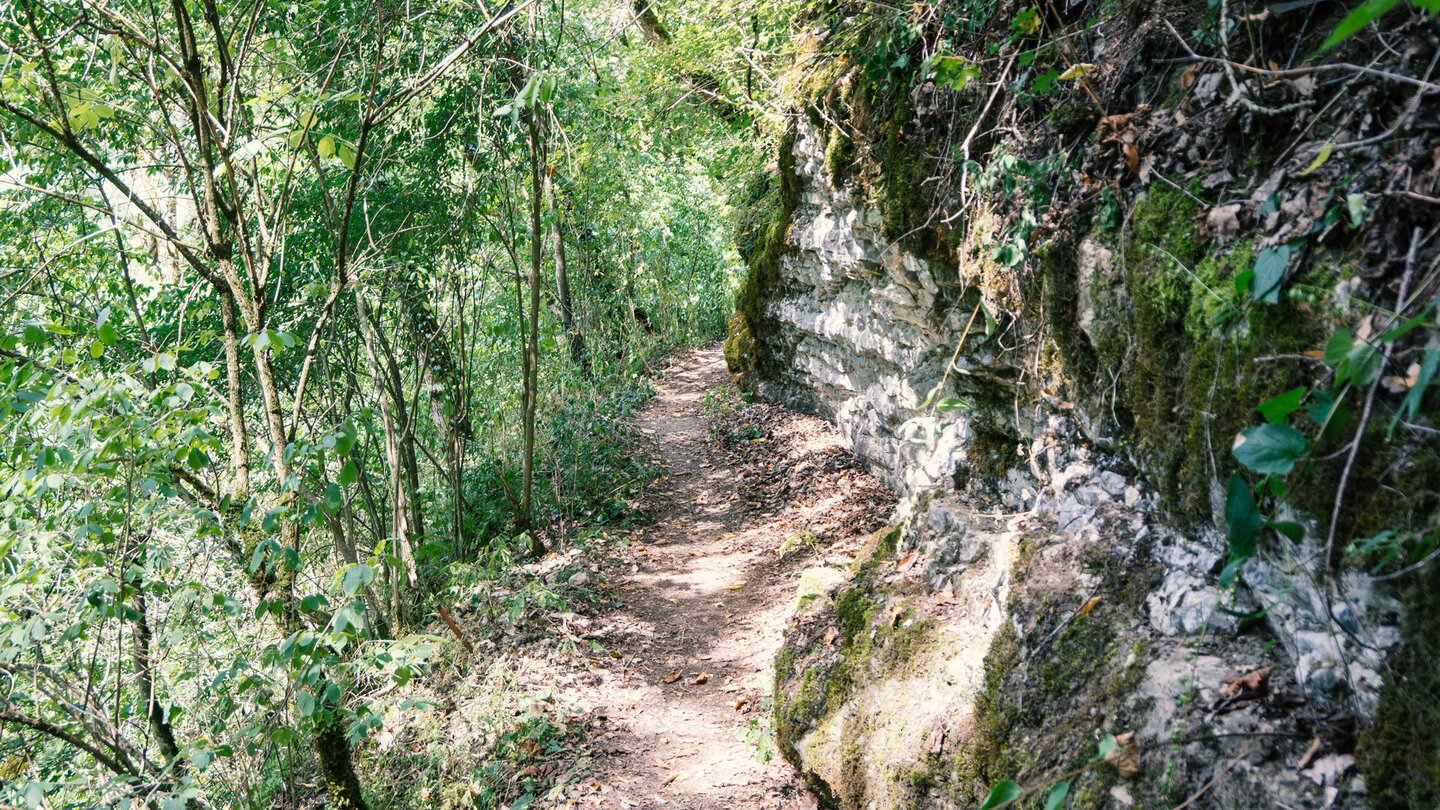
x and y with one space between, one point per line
1400 753
762 224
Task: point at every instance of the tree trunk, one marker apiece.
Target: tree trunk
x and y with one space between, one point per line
531 354
573 337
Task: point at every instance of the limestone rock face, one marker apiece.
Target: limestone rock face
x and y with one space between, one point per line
1038 596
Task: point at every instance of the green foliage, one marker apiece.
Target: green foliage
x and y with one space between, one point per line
1366 13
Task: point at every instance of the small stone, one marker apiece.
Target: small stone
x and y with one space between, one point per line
579 580
1122 796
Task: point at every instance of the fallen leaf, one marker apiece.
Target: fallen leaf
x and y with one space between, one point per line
905 562
1076 71
1088 606
672 677
1224 221
737 586
1187 77
671 778
1325 151
1253 684
1132 157
700 679
1126 756
830 636
742 703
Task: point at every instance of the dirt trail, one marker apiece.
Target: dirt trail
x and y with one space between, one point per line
707 593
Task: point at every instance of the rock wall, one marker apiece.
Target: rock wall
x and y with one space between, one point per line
1056 571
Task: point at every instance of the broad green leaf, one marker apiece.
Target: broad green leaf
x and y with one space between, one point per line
326 147
334 498
1338 346
1002 794
356 577
108 335
1279 408
349 473
1269 272
305 703
197 459
1270 449
1294 532
1242 519
1355 204
1056 799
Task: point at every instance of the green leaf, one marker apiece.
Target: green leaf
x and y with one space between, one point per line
349 474
326 147
1242 519
1269 272
345 437
202 758
1368 12
347 155
305 703
97 349
1338 347
1362 365
1294 532
34 335
197 459
1270 449
356 577
1411 404
1329 409
334 498
108 335
1107 744
1278 408
1404 328
1056 799
1355 204
1002 794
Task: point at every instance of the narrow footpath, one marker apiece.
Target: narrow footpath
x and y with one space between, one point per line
750 496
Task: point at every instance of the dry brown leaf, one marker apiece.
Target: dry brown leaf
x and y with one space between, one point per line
1187 77
1224 221
672 677
830 635
742 703
737 586
1088 606
700 679
1126 756
905 562
671 778
1132 157
1253 684
1111 126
